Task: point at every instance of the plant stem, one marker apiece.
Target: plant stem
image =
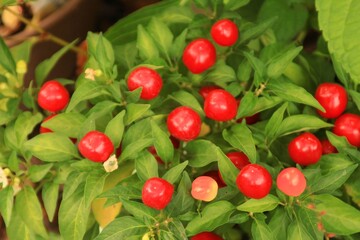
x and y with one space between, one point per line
44 33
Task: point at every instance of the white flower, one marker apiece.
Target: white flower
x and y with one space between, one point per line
3 179
111 164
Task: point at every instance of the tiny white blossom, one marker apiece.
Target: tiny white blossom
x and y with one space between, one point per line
111 164
3 179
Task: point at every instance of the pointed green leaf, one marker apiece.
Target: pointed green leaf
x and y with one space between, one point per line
268 203
50 194
163 145
115 128
68 124
146 166
145 44
174 173
6 204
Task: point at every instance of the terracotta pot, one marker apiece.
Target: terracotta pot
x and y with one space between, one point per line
71 21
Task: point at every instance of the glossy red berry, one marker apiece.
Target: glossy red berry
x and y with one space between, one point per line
205 90
239 159
44 129
157 193
146 78
96 146
254 181
291 181
199 55
348 125
220 105
206 236
305 149
204 188
327 147
184 123
333 98
53 96
225 32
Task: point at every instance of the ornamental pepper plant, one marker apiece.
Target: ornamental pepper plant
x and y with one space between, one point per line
191 119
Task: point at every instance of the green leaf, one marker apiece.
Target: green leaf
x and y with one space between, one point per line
197 156
260 230
297 231
355 97
247 103
84 92
135 111
94 186
182 202
162 34
301 123
52 147
174 173
163 145
338 22
123 228
227 169
73 216
43 69
337 216
115 128
279 64
6 204
139 210
101 49
133 149
257 64
24 125
275 120
129 50
343 146
221 74
291 18
50 194
7 61
279 223
145 44
262 103
38 172
235 4
332 180
178 45
101 109
74 180
288 91
17 229
68 124
268 203
28 207
211 217
309 219
187 99
257 30
240 137
146 166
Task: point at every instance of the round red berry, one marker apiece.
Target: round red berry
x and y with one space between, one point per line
327 147
147 79
184 123
204 188
333 98
44 129
348 125
291 181
239 159
53 96
199 55
254 181
215 174
206 236
157 193
96 146
305 149
205 90
220 105
225 32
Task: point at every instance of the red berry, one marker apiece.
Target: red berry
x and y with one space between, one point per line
157 193
53 96
146 78
44 129
184 123
348 125
204 188
254 181
291 181
333 98
152 150
305 149
220 105
205 90
225 32
239 159
199 55
327 147
215 174
206 236
96 146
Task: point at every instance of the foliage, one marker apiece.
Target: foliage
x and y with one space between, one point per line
271 69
